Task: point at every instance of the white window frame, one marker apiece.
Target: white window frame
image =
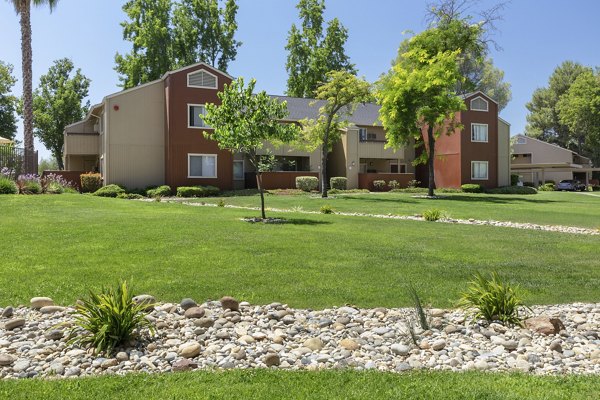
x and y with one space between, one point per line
202 87
487 104
243 171
487 170
189 107
190 155
487 135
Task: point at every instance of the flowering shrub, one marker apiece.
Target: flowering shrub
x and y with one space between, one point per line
55 184
29 184
7 173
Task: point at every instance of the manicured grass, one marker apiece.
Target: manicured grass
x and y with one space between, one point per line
268 384
553 208
61 246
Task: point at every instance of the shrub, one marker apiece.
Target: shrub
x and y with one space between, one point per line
379 185
29 184
471 188
212 190
337 191
393 184
90 182
433 214
109 319
449 190
161 191
492 299
130 196
55 184
414 183
546 187
190 191
339 182
514 179
8 186
221 203
528 184
513 190
109 191
307 183
326 209
410 190
596 188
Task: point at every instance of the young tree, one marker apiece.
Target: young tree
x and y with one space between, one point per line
579 110
23 9
244 121
148 29
419 93
311 54
341 93
202 31
8 102
57 102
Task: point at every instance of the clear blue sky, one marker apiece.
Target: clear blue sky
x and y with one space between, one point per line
535 37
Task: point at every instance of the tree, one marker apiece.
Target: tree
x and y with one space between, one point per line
8 102
579 110
202 31
311 54
341 93
57 102
244 121
148 29
543 120
419 93
479 72
23 9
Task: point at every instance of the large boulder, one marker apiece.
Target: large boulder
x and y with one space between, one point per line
545 325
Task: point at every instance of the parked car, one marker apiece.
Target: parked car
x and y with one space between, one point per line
570 184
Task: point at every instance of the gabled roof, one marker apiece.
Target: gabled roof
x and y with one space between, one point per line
480 93
548 144
300 108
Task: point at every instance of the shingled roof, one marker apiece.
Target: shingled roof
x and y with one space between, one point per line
300 108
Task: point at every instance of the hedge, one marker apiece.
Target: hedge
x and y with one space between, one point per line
338 182
90 182
109 191
197 191
161 191
513 190
471 188
307 183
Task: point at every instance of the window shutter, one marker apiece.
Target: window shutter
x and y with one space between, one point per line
202 79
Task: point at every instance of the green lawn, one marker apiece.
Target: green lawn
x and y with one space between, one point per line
268 384
61 246
554 208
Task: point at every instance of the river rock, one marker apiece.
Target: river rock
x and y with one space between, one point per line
545 325
39 302
229 303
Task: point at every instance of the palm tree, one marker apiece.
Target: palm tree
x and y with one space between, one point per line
23 9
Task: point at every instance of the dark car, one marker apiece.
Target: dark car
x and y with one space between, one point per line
570 184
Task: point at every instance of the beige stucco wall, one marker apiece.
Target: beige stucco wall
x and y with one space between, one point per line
134 137
542 152
503 153
81 144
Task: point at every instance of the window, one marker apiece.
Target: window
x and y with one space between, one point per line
238 170
479 133
202 79
479 170
195 116
202 165
479 104
521 140
362 134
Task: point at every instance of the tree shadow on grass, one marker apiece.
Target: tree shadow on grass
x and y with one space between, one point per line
378 199
501 199
304 221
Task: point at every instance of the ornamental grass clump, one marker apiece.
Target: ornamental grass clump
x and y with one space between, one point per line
433 214
492 299
107 320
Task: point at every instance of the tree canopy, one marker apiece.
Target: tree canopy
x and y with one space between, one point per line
341 92
312 52
58 102
244 121
8 102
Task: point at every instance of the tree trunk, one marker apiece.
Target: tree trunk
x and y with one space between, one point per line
430 160
262 195
324 171
25 12
59 161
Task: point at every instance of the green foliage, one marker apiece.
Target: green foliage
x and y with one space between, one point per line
47 164
513 190
221 203
130 196
57 102
514 179
8 186
90 182
413 183
529 184
326 209
379 185
312 54
492 299
203 31
8 102
338 182
197 191
110 319
546 187
393 184
307 183
433 214
418 306
471 188
347 191
160 191
109 191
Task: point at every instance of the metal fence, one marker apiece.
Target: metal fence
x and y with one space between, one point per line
19 160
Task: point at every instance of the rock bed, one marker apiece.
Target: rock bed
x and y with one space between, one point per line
229 334
470 221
